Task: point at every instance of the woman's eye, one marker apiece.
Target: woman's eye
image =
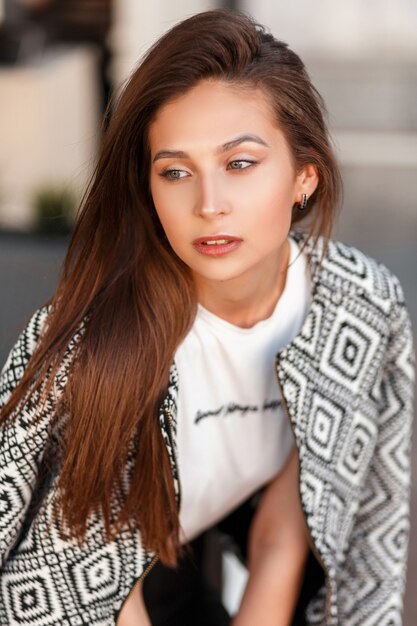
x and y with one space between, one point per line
240 164
172 174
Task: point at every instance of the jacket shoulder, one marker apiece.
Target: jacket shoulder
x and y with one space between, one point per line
21 353
347 267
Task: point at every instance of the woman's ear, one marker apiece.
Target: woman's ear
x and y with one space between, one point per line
307 181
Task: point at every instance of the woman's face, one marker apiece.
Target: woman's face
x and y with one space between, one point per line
223 182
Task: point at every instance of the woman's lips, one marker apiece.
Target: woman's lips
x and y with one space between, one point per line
216 245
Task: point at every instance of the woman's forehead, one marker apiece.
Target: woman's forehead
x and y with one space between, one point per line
213 111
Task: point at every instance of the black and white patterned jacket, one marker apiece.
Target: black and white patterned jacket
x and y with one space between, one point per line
347 382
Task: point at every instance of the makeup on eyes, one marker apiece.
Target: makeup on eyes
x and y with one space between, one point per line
168 173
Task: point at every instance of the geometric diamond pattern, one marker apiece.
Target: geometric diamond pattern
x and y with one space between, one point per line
390 540
347 381
323 427
334 520
350 348
31 599
11 498
357 449
387 616
312 489
96 576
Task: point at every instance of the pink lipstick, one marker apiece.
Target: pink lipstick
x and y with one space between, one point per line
216 245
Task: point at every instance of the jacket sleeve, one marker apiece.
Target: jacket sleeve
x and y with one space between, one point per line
22 441
372 580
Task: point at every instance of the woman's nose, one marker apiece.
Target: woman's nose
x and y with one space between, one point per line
211 200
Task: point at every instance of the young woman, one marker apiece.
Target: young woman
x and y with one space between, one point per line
203 362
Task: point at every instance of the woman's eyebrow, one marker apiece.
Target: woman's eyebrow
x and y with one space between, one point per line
169 154
180 154
241 139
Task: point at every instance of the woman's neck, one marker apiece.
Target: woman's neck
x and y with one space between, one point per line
246 300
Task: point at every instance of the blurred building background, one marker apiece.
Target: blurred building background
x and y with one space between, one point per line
60 60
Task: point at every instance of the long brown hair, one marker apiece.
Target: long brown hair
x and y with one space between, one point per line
134 296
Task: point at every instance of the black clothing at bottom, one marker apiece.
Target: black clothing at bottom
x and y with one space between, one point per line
183 596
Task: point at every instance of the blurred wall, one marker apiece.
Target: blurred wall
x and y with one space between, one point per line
49 128
352 29
137 25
